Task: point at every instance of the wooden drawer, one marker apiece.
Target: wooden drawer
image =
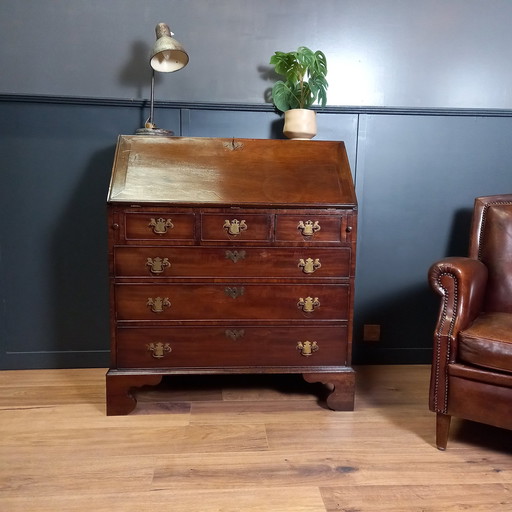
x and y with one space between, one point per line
231 302
159 226
240 346
219 262
309 228
235 226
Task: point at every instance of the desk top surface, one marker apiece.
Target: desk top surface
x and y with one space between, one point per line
193 171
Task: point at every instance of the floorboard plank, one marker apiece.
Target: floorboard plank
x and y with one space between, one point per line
242 443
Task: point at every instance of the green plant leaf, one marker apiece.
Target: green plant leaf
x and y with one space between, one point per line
281 95
304 73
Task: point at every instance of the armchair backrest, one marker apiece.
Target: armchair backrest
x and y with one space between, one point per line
491 242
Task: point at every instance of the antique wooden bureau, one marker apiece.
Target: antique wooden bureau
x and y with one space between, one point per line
230 256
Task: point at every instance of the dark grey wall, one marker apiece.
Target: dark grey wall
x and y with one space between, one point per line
416 176
55 170
412 53
417 167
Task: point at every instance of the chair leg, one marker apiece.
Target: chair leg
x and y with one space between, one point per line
442 430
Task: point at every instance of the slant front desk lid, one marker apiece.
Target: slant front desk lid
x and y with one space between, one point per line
218 172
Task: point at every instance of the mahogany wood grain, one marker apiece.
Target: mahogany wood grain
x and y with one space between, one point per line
212 238
231 346
120 390
237 261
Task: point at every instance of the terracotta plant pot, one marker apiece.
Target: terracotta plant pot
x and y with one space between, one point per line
299 123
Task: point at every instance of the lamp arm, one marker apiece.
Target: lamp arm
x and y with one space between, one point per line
149 122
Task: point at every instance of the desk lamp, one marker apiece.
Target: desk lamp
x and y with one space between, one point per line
167 56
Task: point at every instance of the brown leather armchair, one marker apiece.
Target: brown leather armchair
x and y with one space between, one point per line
472 361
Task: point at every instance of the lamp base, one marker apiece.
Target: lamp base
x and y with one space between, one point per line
159 132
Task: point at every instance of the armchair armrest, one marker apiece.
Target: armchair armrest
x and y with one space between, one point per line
461 283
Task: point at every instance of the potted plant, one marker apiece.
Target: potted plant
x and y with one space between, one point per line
304 83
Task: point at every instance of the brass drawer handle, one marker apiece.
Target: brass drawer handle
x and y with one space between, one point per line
308 304
234 291
307 348
157 265
308 228
235 256
235 334
158 304
309 265
159 350
235 227
160 225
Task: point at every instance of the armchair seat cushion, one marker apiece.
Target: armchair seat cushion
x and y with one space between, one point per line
487 342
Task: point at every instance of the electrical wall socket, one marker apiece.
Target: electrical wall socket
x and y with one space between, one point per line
371 332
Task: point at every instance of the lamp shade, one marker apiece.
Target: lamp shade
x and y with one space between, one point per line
168 55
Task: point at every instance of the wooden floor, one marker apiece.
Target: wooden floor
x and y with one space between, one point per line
241 443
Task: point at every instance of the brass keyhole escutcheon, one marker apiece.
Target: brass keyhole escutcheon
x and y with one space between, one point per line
309 265
157 265
235 334
160 225
235 256
234 291
308 227
307 348
159 350
158 304
308 304
233 145
235 227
